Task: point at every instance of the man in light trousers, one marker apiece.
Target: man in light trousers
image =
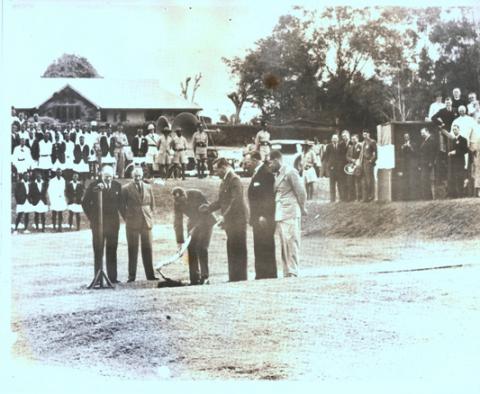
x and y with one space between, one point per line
290 196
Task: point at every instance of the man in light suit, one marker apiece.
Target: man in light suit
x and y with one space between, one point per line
290 196
138 205
261 198
231 203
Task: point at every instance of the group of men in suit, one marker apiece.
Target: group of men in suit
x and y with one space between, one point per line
359 185
276 197
135 203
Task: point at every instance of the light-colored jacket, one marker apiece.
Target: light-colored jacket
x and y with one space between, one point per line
138 207
290 195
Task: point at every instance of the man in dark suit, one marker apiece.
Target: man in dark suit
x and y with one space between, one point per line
334 161
353 156
346 183
112 205
138 206
427 154
458 161
369 159
261 198
188 202
139 144
231 202
409 169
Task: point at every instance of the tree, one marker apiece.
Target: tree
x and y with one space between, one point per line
196 85
71 66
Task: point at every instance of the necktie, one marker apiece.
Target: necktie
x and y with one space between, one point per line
139 188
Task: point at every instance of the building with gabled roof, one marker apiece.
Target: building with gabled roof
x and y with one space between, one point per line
101 99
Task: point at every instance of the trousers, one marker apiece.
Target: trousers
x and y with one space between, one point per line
133 236
109 243
237 252
264 250
288 231
198 254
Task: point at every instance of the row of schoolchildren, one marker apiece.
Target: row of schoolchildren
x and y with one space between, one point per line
38 195
44 148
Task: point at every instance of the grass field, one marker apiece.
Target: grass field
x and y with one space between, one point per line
369 302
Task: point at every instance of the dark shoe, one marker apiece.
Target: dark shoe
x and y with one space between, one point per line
154 278
116 281
130 280
204 281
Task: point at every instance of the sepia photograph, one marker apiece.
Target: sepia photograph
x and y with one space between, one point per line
240 195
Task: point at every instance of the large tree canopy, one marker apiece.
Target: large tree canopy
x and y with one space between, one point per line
70 66
358 66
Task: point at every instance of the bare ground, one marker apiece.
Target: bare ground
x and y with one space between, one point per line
360 311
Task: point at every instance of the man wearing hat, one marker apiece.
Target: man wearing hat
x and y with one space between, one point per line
200 146
262 141
164 156
152 141
179 145
188 202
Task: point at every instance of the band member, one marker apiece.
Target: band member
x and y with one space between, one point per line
22 158
262 141
179 145
427 153
334 164
164 149
369 158
152 141
58 203
74 195
139 144
409 169
354 158
69 157
107 145
200 148
23 198
309 173
81 153
458 161
199 225
45 156
120 141
39 199
231 203
290 199
138 206
112 205
261 198
58 153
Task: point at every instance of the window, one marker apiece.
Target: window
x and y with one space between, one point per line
66 112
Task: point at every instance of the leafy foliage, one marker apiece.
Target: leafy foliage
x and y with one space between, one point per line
70 66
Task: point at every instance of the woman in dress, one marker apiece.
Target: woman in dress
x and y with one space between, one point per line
74 194
22 198
38 199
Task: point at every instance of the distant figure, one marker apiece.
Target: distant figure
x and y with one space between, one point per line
354 157
309 174
457 100
427 155
200 148
138 206
23 199
58 202
163 156
334 165
120 142
139 144
112 205
200 225
262 141
261 198
81 153
409 169
152 141
458 161
45 156
39 199
74 192
22 158
369 159
346 184
290 199
436 106
473 107
179 144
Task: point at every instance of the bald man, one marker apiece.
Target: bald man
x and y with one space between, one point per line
112 205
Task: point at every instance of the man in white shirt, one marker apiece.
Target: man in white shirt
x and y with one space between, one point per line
435 106
465 123
473 106
262 141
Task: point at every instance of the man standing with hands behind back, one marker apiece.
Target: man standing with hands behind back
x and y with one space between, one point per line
261 197
138 205
112 206
231 202
290 196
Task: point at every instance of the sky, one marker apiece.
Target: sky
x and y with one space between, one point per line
167 40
